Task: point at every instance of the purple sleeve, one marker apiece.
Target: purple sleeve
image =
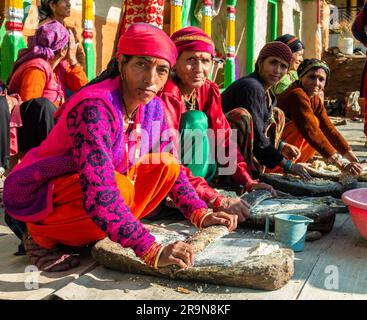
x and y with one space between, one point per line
183 193
92 128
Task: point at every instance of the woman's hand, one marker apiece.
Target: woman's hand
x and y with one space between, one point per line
265 186
299 170
179 253
73 46
290 152
351 156
220 217
353 168
236 206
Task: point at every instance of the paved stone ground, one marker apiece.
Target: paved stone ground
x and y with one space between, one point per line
342 250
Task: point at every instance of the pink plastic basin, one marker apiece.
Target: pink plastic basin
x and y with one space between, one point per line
356 200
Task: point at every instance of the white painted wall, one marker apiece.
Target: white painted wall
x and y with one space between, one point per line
309 29
261 15
288 7
285 20
110 9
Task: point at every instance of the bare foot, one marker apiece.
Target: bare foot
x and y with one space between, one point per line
50 260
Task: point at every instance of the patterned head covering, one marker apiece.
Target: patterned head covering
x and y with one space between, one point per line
309 64
291 41
144 39
49 38
193 39
275 49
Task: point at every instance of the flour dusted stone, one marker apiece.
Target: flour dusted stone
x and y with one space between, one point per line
230 259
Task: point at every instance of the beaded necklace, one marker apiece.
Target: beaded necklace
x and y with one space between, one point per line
190 103
138 139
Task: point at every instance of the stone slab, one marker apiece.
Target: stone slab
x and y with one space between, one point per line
102 283
321 210
233 259
316 187
320 169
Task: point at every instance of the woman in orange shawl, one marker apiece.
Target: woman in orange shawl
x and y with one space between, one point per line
309 127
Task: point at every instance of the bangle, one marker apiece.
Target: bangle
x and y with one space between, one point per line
281 145
157 257
151 254
218 202
202 220
334 158
197 216
287 166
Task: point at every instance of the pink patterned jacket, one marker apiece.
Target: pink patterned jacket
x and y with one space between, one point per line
88 138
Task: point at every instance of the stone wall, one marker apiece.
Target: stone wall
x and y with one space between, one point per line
346 74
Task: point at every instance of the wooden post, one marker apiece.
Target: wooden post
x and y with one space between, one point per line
88 23
207 17
13 39
230 66
176 15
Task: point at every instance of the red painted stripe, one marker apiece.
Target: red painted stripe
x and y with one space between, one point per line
231 10
13 26
87 35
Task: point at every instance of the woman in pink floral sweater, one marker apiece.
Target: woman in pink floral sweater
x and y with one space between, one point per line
103 166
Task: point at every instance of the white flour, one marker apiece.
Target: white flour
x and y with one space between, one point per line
228 251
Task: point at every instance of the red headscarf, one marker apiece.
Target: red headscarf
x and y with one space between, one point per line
144 39
193 39
275 49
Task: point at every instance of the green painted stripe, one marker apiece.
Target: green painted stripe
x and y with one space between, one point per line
229 72
186 7
231 3
250 36
9 53
2 34
26 6
193 21
90 60
274 19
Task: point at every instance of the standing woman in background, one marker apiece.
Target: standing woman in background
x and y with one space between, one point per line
41 75
59 10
